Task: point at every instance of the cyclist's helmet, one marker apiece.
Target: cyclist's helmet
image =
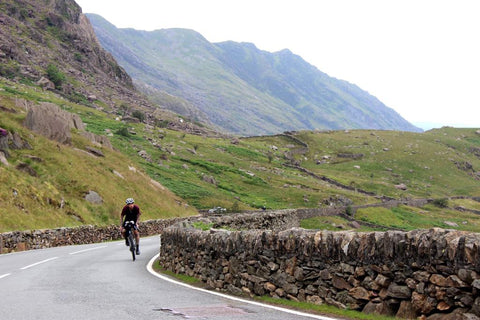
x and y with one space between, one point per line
129 201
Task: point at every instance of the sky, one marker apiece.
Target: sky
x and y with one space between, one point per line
419 57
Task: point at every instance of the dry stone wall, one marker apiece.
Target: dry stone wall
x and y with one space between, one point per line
431 273
40 239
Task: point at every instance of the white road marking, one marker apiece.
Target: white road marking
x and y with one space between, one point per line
4 275
303 314
85 250
37 263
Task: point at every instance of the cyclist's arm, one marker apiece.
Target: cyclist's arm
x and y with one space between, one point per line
121 218
138 217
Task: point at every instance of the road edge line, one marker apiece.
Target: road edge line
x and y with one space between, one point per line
156 274
38 263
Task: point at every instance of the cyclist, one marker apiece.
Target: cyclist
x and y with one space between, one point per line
130 212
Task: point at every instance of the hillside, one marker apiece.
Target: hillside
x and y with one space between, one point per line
173 167
238 88
294 170
44 183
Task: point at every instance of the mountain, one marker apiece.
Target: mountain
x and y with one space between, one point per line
53 45
50 60
238 88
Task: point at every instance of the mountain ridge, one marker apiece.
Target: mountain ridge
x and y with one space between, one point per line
239 88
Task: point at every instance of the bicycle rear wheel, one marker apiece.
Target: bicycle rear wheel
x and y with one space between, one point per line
131 241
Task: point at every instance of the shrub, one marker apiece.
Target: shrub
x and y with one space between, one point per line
441 203
349 210
55 75
235 207
78 56
123 132
161 123
139 115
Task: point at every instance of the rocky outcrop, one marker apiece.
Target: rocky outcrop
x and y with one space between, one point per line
56 124
9 140
52 122
101 141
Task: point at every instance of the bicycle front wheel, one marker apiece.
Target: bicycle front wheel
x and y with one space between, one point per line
131 241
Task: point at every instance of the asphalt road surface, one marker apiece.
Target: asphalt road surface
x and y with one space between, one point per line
100 281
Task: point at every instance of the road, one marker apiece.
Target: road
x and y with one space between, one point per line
100 281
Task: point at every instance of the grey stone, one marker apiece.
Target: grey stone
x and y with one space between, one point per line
93 197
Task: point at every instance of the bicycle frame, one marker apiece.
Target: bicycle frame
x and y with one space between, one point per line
129 227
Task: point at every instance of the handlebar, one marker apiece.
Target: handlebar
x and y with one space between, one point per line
130 224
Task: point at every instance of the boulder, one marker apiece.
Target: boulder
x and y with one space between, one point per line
52 122
376 307
93 197
46 84
406 311
98 139
401 186
209 179
27 169
3 159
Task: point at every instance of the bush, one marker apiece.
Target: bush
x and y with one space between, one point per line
235 207
78 56
123 132
55 75
161 123
139 115
441 203
349 210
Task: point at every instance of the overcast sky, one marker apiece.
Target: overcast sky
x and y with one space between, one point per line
419 57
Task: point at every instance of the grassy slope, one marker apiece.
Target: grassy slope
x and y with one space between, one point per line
425 162
248 175
68 173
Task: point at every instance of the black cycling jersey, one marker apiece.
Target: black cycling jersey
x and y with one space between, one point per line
130 214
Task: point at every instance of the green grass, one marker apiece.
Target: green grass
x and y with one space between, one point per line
409 218
180 277
332 223
202 225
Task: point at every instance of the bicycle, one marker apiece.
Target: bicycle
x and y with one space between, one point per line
129 227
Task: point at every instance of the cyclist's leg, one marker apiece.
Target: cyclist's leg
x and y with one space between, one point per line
137 240
124 236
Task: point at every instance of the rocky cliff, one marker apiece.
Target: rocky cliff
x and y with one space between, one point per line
39 34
